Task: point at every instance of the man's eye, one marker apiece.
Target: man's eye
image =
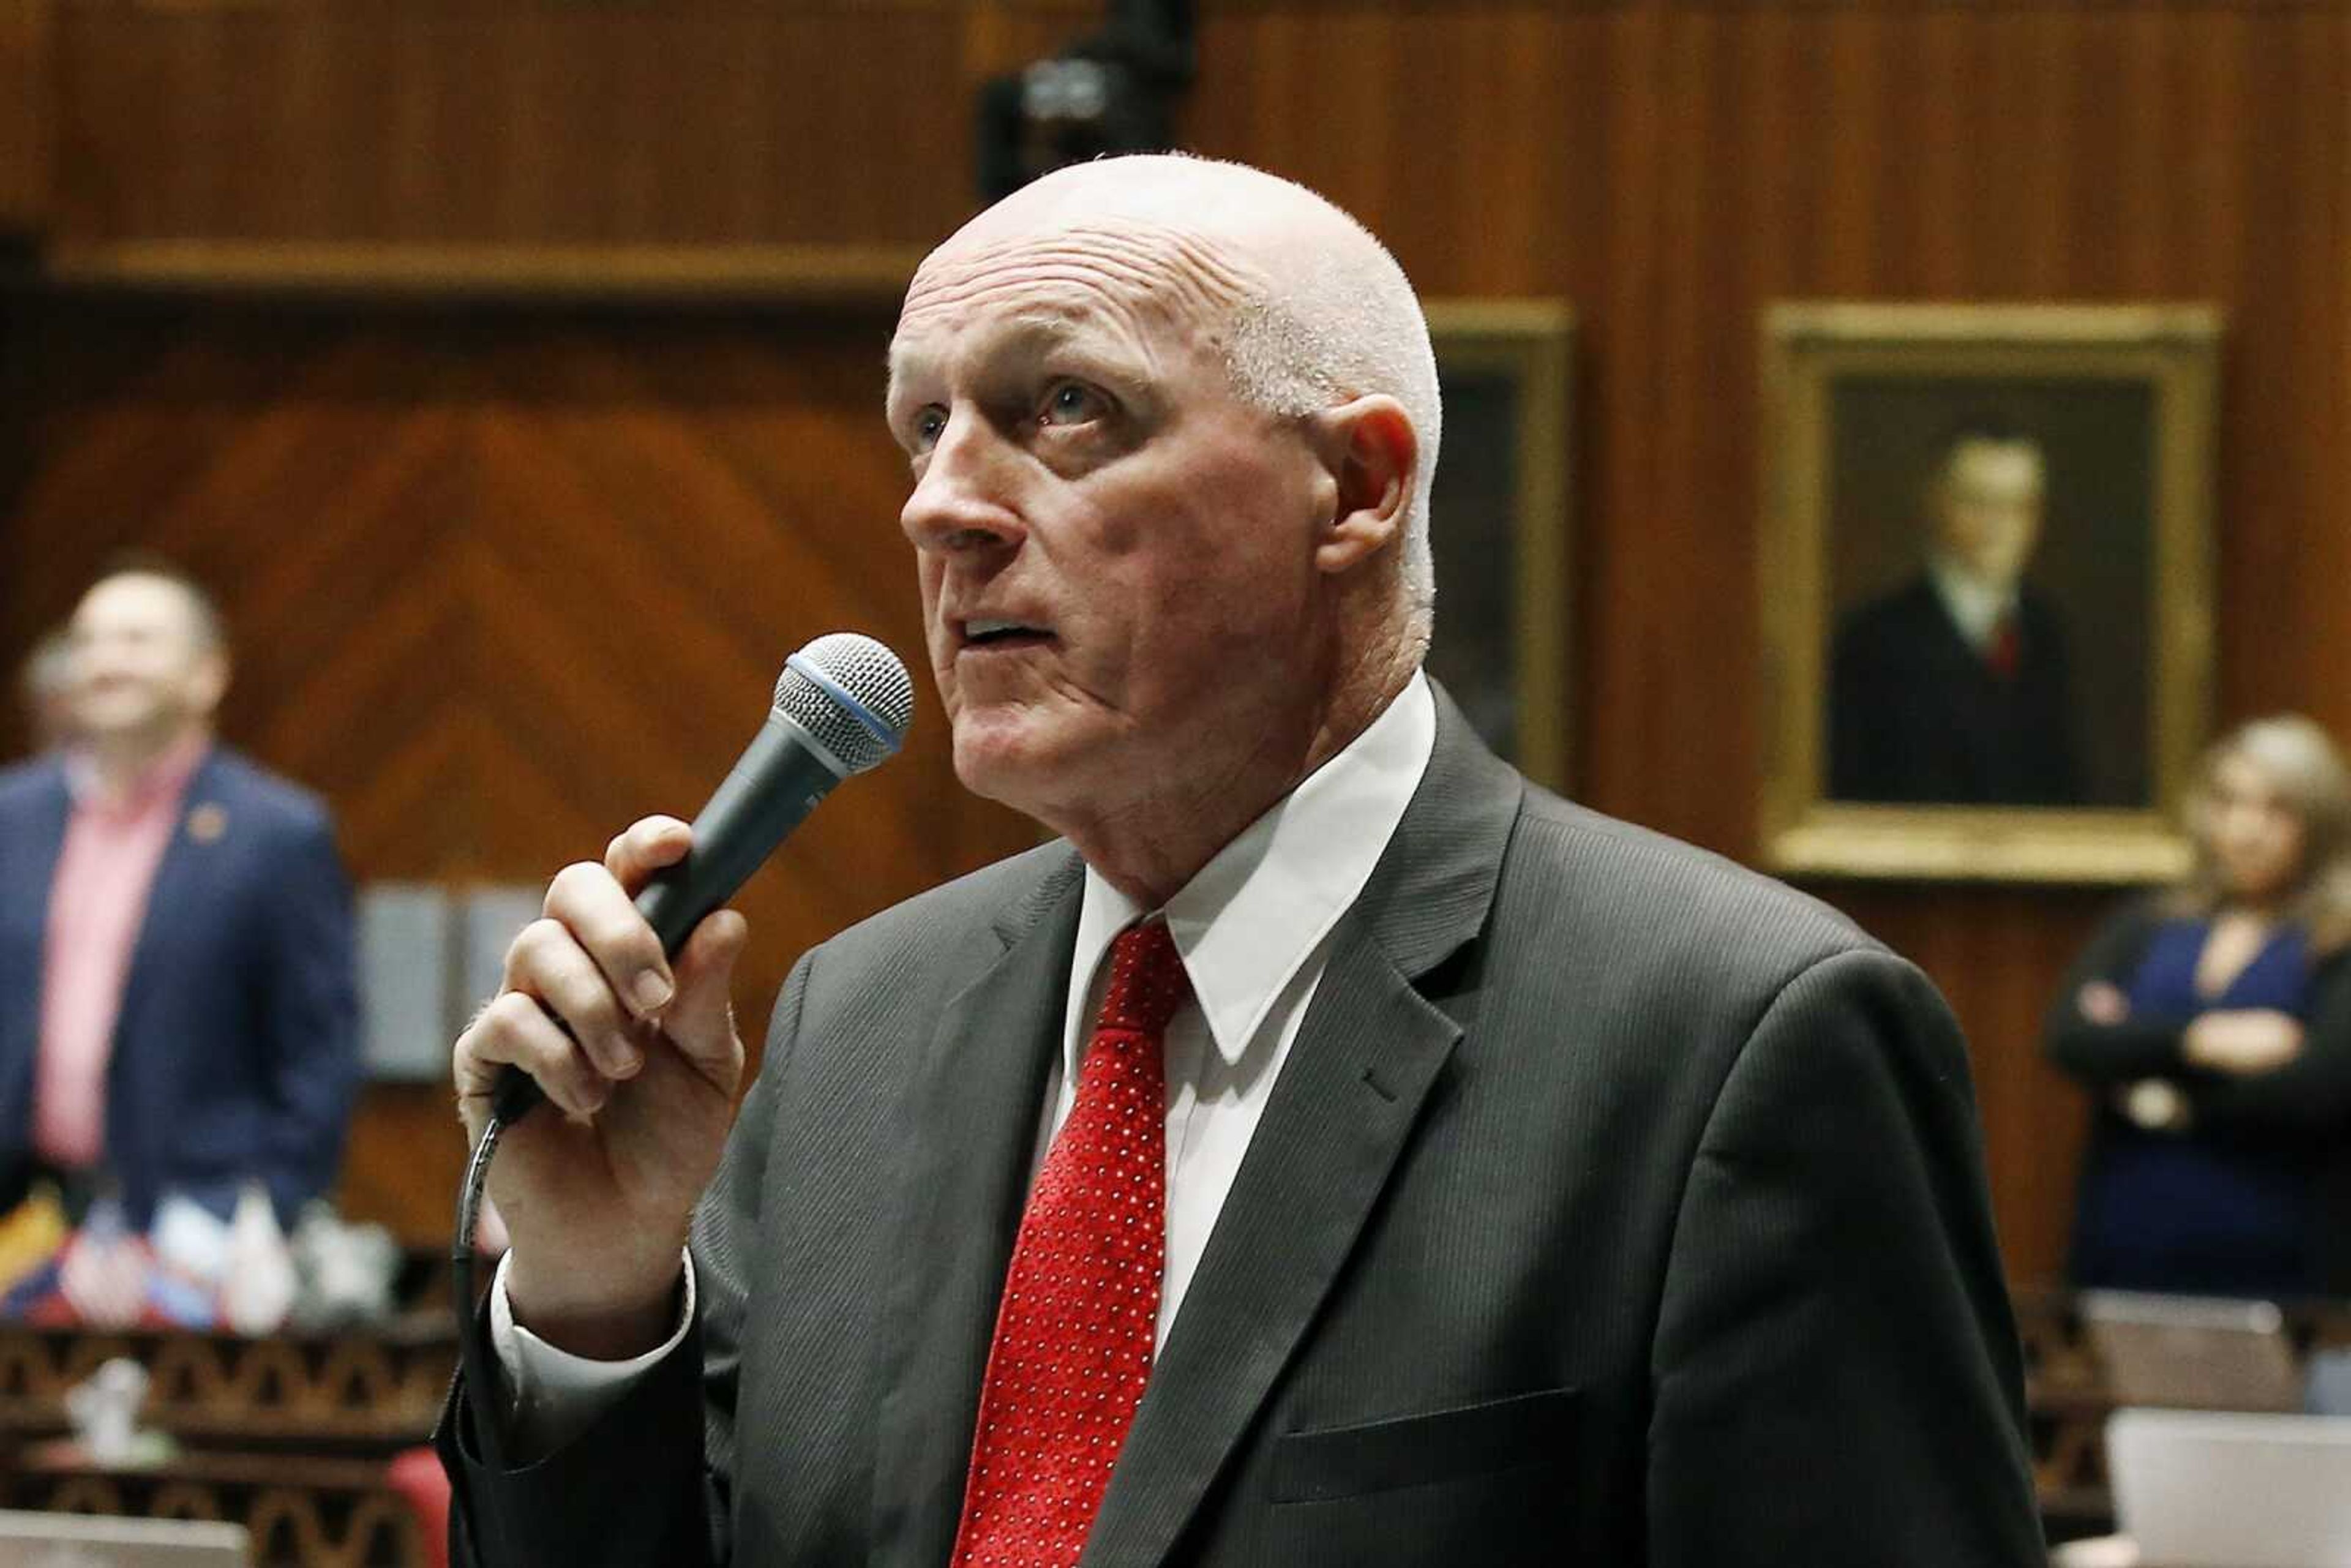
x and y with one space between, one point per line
1074 402
928 423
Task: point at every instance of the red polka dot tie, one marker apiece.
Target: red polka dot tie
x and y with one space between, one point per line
1073 1335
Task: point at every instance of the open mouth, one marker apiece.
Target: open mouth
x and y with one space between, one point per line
990 634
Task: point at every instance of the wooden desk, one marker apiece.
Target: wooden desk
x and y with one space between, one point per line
2067 1401
365 1393
302 1511
289 1436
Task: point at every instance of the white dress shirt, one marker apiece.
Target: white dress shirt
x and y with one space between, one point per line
1976 606
1253 929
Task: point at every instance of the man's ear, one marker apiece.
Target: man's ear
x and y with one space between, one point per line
1374 455
208 682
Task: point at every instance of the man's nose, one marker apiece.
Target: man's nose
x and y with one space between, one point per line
966 499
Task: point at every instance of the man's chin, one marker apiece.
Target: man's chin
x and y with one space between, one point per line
993 771
2000 574
124 727
1010 761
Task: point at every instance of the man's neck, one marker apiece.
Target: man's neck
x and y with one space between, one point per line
1151 850
1976 603
120 764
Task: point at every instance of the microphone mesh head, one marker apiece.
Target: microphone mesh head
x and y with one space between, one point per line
852 696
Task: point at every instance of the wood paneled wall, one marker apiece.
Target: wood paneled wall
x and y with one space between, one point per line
501 579
28 85
1669 166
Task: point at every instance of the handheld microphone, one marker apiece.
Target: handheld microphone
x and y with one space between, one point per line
842 705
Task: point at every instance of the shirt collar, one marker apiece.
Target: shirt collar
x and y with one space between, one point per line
165 778
1976 607
1246 923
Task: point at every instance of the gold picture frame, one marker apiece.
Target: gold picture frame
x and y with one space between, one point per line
1867 404
1500 527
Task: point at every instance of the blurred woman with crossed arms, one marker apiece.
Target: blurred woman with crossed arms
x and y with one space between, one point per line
2213 1024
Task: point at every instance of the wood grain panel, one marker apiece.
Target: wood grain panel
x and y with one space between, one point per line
2032 205
27 109
500 583
1670 166
529 123
510 122
1690 164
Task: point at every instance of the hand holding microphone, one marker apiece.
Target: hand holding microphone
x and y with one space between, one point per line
615 1006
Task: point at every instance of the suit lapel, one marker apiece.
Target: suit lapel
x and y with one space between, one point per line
1341 1114
975 1099
36 839
179 875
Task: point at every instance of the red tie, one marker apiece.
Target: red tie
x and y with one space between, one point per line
2006 648
1074 1332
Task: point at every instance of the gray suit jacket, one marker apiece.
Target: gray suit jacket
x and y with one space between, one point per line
1615 1205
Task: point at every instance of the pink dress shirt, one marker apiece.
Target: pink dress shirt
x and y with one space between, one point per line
97 902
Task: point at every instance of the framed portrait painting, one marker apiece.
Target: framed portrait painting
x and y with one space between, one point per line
1500 524
1986 588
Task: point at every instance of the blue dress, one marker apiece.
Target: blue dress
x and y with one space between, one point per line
2212 1210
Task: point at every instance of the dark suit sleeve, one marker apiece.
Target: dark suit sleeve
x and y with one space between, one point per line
2065 744
651 1481
1836 1374
312 1017
628 1492
2102 1054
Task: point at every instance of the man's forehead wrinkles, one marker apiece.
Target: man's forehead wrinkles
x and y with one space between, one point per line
1030 318
1142 265
1033 326
1030 323
1066 294
1075 291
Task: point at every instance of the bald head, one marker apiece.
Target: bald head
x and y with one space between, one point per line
1305 307
1171 426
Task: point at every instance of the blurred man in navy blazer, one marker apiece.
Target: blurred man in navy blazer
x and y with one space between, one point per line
47 683
176 1001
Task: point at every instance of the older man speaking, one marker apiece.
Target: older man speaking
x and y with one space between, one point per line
1333 1151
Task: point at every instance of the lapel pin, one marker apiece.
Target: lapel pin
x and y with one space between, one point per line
208 823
